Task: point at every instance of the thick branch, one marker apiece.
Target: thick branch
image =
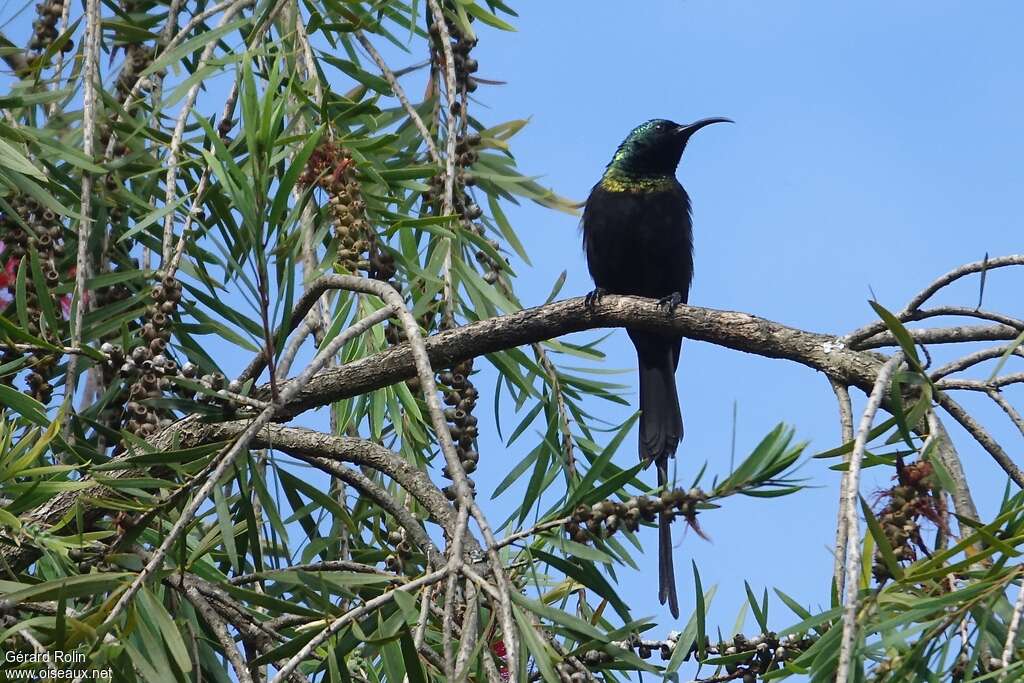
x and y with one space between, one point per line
730 329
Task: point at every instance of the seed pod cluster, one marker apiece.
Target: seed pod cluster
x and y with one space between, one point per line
112 185
749 658
147 365
44 236
465 65
118 150
907 502
137 57
44 28
958 673
401 553
604 518
467 143
460 396
332 168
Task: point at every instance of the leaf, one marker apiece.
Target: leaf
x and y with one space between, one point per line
18 162
903 337
884 547
201 40
593 475
699 613
169 632
68 587
760 616
542 655
24 404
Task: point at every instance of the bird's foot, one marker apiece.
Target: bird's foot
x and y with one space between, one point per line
669 303
591 300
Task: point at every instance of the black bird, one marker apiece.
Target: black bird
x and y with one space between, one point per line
638 238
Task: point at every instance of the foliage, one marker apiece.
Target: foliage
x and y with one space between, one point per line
175 179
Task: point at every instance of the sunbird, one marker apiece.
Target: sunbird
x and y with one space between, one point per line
638 238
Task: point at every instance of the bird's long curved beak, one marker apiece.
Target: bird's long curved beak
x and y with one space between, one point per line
691 128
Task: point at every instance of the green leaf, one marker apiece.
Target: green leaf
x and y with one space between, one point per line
700 613
542 654
68 587
18 162
903 337
884 547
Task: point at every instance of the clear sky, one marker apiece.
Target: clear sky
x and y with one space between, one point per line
876 144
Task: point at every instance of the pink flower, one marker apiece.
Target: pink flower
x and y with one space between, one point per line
8 276
498 648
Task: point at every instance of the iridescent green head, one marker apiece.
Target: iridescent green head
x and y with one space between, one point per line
654 148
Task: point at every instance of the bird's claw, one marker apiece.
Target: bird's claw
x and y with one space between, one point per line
591 300
669 303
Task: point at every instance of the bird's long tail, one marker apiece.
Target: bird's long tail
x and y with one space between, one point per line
666 570
661 428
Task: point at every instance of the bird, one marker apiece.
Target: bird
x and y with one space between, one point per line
638 240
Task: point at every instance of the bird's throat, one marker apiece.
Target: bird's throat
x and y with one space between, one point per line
619 180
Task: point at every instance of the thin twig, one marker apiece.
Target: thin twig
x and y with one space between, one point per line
846 436
1011 631
980 384
40 649
448 196
563 413
312 567
972 359
860 335
853 558
220 631
941 335
81 301
543 526
454 565
295 342
170 179
470 623
65 16
396 87
421 625
982 436
1010 411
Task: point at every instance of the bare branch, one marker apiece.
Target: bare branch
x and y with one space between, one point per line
980 384
81 301
396 87
738 331
942 335
846 436
857 336
1011 631
220 631
980 435
853 558
1010 411
973 359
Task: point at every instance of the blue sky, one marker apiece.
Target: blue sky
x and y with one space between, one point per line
876 145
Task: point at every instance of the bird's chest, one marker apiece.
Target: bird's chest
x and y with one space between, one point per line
639 242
